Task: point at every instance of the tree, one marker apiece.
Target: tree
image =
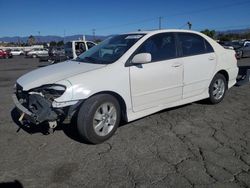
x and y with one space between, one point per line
31 40
222 37
210 33
60 43
52 43
97 41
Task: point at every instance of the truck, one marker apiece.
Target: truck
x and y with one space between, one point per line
71 50
77 47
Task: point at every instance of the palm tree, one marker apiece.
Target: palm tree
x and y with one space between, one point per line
31 40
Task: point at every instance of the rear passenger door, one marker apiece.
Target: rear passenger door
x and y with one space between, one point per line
199 62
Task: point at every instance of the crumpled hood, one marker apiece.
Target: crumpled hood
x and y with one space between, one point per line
53 73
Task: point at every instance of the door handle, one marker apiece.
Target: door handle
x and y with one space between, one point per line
176 64
211 58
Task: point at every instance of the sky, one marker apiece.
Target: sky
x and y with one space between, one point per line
69 17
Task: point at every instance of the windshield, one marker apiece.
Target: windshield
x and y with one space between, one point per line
109 50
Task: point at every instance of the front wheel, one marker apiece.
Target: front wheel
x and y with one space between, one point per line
98 118
217 89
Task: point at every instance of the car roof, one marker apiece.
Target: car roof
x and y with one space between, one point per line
215 45
163 31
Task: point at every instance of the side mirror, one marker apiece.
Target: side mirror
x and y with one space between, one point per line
141 58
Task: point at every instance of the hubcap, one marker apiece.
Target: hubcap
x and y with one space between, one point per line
104 119
218 89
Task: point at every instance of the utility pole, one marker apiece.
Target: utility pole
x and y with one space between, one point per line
64 36
93 30
189 25
39 36
160 19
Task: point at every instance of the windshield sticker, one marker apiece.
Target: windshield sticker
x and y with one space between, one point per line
133 36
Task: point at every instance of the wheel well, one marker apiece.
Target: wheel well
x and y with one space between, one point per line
224 73
120 100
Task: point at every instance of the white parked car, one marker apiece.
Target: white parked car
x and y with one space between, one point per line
17 52
38 53
127 77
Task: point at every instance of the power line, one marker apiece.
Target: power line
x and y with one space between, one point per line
210 8
174 15
131 23
189 24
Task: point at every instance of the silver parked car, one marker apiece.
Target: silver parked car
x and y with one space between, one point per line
37 52
244 51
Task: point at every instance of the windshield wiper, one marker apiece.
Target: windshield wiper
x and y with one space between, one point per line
86 59
91 59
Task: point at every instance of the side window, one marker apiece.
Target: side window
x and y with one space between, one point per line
191 44
161 47
80 48
209 48
90 45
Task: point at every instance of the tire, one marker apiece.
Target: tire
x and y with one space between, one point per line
217 89
98 118
34 56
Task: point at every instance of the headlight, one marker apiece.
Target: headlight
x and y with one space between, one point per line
51 91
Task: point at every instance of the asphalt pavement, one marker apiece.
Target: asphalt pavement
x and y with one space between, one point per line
195 145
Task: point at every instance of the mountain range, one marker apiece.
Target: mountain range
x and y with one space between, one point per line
55 38
235 31
50 38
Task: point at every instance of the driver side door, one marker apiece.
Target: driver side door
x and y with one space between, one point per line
159 82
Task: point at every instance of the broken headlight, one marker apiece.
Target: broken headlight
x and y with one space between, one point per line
50 92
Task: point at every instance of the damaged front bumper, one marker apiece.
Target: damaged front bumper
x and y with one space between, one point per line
38 110
23 110
41 110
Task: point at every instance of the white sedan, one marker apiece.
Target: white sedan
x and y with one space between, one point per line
17 52
127 77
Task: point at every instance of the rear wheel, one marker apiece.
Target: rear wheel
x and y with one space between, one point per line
217 89
34 56
98 118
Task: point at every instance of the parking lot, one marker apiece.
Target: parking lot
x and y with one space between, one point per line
196 145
